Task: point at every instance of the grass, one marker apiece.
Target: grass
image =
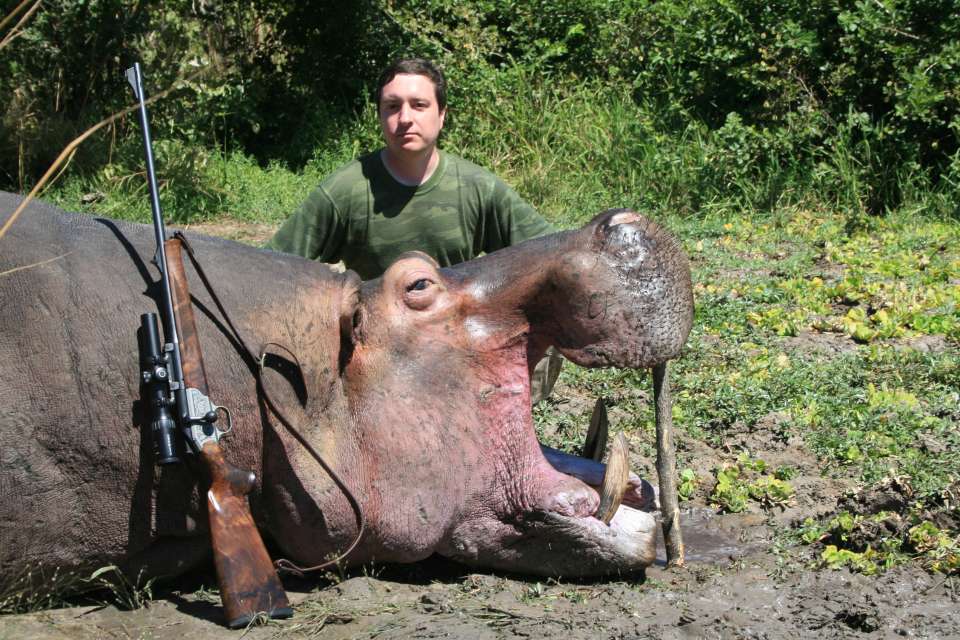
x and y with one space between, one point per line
41 588
869 407
571 147
37 589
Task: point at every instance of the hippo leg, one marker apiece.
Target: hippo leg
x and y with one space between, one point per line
639 494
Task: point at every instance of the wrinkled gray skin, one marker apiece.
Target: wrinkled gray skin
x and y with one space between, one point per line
415 391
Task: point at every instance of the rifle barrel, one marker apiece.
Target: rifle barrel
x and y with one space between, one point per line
135 78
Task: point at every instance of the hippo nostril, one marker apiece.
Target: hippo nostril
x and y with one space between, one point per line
356 318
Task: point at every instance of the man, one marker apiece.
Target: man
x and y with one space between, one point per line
411 195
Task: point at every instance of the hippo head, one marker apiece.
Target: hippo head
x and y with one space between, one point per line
436 367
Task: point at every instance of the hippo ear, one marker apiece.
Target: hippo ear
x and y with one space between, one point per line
350 316
632 238
606 219
607 226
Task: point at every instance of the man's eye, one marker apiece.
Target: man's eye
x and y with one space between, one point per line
419 285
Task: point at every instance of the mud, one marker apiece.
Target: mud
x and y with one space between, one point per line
731 588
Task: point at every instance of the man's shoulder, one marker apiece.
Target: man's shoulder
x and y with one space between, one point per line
469 174
465 167
356 172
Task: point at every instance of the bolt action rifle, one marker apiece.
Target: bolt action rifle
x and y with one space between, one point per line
176 385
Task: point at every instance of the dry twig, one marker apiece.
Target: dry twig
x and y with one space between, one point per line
72 147
17 28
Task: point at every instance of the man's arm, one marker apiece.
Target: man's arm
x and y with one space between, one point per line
315 231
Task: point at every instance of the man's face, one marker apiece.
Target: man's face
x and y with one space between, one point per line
410 118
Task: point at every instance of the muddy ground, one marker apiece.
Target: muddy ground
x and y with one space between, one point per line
742 579
750 597
738 584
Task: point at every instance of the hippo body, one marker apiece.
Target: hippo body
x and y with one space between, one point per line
414 390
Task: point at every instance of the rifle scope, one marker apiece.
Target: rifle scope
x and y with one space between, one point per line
155 375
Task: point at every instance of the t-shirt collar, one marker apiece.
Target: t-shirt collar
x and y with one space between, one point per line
431 182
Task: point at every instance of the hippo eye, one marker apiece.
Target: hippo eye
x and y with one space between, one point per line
419 285
421 293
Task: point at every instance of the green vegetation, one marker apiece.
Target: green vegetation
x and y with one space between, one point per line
125 593
870 544
806 153
747 480
37 589
687 485
678 107
40 589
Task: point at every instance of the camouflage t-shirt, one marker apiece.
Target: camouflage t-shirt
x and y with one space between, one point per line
364 217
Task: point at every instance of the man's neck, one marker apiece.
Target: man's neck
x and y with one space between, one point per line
411 171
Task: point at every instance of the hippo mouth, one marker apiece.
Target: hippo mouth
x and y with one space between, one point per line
603 534
565 526
588 544
554 513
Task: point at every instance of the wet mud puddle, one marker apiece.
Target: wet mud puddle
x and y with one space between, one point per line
709 538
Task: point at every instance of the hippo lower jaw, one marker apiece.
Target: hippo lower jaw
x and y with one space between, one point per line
590 547
550 543
569 539
552 529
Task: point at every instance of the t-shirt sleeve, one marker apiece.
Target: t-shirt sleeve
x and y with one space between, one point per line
514 220
316 230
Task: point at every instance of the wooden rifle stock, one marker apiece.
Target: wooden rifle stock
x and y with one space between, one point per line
248 581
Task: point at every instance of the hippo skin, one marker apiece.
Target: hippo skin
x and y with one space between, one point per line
414 389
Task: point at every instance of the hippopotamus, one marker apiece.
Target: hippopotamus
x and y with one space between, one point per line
413 387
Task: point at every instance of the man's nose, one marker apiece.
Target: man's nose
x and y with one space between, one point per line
404 113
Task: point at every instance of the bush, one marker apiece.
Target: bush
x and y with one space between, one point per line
756 103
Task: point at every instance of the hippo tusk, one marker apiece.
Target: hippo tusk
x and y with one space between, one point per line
596 441
614 480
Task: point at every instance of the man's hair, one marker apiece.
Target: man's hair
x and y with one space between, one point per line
415 67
